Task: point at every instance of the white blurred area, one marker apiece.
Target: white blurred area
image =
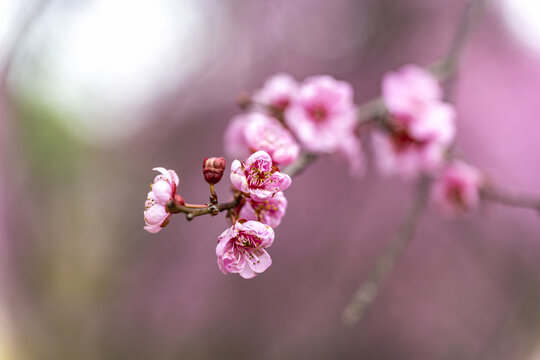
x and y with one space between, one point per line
522 18
102 61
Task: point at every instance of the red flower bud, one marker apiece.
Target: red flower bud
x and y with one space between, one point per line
213 169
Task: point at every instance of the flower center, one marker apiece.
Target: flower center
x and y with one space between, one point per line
318 113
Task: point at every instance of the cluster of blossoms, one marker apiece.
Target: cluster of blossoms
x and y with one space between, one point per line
417 136
318 116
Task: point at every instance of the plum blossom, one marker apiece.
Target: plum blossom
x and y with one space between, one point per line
420 125
322 114
269 211
241 248
258 178
252 132
277 91
458 188
398 153
162 190
413 98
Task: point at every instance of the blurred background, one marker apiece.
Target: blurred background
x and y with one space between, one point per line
95 93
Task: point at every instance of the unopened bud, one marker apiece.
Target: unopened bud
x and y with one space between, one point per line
213 169
179 200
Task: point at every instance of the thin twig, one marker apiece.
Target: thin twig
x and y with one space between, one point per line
300 164
367 292
369 289
510 199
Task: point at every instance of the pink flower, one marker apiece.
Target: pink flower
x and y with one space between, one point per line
322 114
277 91
269 211
240 248
256 131
413 98
458 188
397 153
258 177
351 149
161 191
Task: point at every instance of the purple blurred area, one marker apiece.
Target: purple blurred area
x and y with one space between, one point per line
81 279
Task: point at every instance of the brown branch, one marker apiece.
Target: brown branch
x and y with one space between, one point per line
212 209
444 70
369 289
511 199
303 161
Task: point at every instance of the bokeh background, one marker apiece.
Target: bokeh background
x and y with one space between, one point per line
98 92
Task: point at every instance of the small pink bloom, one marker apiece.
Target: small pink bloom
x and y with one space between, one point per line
457 189
322 114
351 149
269 211
398 153
413 98
277 91
240 248
252 132
258 177
162 190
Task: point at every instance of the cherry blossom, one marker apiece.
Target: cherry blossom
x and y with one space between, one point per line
241 248
458 188
258 178
162 190
269 211
252 132
277 92
322 114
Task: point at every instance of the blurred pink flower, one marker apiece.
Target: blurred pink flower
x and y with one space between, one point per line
269 211
277 91
162 190
240 248
413 98
458 188
322 114
258 178
398 153
351 149
256 131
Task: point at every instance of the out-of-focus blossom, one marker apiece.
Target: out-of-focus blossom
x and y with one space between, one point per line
241 248
322 114
351 149
458 188
420 125
258 178
252 132
277 92
162 190
413 98
399 154
269 211
213 169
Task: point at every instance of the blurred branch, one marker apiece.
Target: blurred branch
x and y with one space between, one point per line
445 70
515 200
300 164
19 35
369 289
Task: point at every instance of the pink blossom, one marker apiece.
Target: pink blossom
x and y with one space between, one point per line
413 98
269 211
322 114
240 248
351 149
397 153
258 177
256 131
161 191
277 91
458 188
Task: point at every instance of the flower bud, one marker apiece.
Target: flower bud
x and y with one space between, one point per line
213 169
